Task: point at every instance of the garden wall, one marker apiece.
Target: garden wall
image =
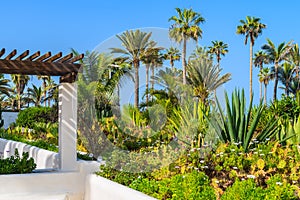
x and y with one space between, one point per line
44 159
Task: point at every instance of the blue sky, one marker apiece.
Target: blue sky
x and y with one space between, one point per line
60 25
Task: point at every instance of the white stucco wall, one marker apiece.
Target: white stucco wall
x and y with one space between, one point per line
44 159
98 187
57 184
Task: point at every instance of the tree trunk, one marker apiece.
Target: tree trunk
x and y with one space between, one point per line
172 63
184 61
276 81
136 89
251 64
45 92
260 85
147 84
287 82
265 99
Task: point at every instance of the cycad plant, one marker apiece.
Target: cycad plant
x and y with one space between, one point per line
237 125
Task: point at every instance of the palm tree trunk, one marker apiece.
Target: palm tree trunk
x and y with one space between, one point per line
265 95
152 75
147 84
19 98
260 85
136 77
172 63
276 82
287 83
184 61
251 64
45 92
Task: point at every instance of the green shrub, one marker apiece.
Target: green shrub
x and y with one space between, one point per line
243 190
16 164
32 115
247 189
194 185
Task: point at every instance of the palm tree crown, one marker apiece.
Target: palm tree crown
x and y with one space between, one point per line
276 56
219 48
185 27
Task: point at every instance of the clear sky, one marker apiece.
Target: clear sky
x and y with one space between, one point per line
59 25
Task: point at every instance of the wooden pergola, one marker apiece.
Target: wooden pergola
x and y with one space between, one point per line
56 65
37 64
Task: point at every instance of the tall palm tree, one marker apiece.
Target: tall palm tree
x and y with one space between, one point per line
264 77
149 57
45 79
260 58
251 28
20 82
35 95
172 54
135 44
219 48
185 26
276 56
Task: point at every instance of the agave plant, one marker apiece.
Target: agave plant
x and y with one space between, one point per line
238 125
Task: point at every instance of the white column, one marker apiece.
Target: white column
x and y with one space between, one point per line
67 126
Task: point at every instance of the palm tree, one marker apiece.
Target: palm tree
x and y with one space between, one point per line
219 48
4 85
135 45
295 58
276 56
20 82
264 77
201 53
149 58
251 28
285 75
45 79
35 95
205 78
260 58
173 55
185 27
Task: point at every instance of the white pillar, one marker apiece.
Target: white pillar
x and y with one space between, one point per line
67 126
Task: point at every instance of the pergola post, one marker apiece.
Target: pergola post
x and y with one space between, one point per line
68 126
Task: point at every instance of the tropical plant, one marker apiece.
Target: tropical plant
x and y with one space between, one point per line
238 125
219 48
35 95
251 28
276 56
151 58
260 58
4 86
185 27
20 82
45 79
285 76
135 44
205 78
172 54
264 77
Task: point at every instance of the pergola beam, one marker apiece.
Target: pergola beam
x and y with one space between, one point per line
37 64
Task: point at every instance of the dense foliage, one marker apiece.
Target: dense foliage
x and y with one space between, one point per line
28 117
17 164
